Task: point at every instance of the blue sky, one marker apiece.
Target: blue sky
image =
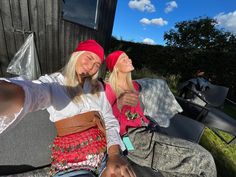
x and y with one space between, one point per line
146 20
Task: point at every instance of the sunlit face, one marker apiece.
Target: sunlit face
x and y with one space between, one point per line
124 64
87 65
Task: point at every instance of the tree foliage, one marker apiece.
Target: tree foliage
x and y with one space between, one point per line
201 33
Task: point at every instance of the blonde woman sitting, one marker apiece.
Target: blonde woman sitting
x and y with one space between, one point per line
171 156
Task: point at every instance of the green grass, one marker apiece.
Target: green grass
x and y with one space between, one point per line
226 136
224 155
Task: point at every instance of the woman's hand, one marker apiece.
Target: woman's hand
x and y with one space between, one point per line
118 166
129 98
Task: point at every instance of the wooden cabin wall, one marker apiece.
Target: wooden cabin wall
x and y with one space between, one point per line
55 38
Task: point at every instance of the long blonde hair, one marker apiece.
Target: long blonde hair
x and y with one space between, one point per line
113 81
72 83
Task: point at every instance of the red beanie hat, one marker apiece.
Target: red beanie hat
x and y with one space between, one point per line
112 59
91 46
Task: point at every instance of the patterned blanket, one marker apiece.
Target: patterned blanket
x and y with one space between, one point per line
159 102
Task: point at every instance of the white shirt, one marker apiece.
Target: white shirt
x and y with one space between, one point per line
49 92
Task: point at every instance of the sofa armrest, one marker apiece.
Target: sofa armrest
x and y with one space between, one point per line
26 146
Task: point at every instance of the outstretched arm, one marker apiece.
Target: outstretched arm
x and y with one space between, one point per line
11 98
19 97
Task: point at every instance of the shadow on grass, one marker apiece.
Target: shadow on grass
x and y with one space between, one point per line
230 110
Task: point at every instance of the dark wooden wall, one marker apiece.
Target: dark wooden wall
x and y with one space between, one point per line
55 38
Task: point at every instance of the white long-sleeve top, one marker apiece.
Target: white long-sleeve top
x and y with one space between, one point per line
49 92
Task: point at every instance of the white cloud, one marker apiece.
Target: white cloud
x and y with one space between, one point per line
149 41
142 5
154 21
170 6
145 21
228 21
159 21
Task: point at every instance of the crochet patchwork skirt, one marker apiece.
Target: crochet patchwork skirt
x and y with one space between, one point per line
82 150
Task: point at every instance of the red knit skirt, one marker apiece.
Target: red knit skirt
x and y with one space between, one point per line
82 150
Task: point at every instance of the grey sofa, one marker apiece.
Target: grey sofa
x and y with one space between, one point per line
25 147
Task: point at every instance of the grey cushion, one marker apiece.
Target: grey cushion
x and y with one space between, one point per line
42 172
185 128
27 144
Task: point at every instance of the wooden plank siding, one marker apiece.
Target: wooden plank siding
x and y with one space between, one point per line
8 27
55 38
16 22
25 22
41 48
3 50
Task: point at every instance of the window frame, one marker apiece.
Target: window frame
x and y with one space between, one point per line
83 23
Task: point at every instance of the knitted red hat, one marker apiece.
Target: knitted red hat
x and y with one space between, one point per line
91 46
112 59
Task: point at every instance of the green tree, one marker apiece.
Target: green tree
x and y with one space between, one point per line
201 33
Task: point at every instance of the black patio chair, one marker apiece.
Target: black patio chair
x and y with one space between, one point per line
185 128
215 95
210 94
210 116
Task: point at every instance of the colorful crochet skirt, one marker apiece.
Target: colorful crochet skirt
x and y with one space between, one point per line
82 150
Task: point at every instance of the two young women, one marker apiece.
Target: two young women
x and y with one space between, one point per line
88 132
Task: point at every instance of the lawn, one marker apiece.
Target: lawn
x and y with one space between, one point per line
224 154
